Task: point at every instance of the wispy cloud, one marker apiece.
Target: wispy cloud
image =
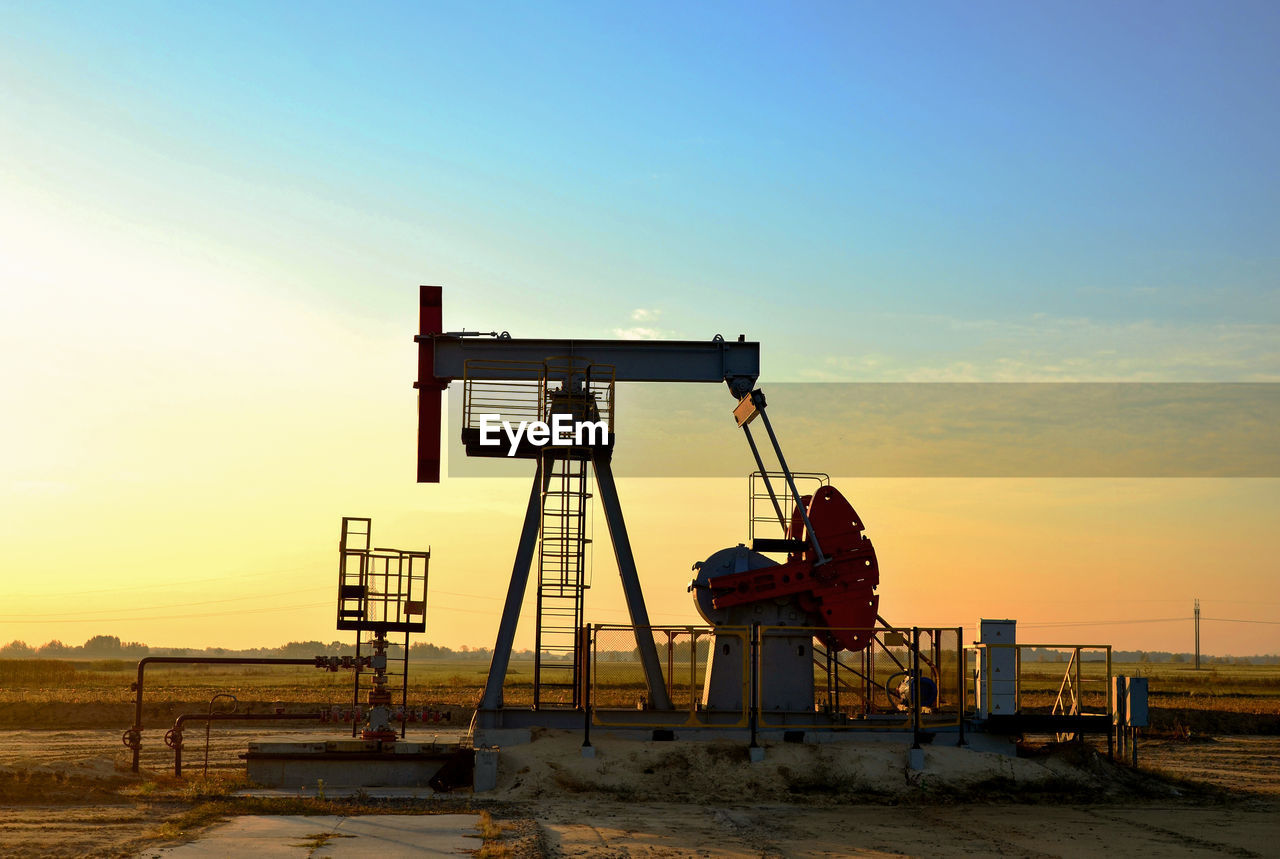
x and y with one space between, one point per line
1043 348
648 331
638 332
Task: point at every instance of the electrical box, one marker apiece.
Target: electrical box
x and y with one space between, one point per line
1136 702
1000 698
1002 662
996 677
997 631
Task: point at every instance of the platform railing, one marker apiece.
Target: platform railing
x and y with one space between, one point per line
767 511
908 678
520 397
881 687
1054 679
618 691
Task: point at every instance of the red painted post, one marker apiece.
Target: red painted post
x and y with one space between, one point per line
430 391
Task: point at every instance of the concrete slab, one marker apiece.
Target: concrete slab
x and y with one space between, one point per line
339 792
346 763
382 770
382 835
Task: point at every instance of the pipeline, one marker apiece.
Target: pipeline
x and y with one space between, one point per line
133 737
173 739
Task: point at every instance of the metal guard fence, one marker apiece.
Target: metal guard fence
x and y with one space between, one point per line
617 679
907 678
1058 679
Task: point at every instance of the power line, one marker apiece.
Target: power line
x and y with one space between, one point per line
1104 622
1140 620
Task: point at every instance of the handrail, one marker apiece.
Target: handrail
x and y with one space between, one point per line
173 739
1067 684
1070 699
940 659
133 737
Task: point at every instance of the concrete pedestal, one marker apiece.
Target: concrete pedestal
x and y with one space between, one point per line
346 763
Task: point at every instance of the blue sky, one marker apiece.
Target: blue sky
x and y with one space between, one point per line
722 163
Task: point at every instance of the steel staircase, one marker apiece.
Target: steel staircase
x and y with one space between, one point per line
562 577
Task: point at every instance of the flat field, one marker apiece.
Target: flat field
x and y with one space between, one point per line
1238 699
1209 784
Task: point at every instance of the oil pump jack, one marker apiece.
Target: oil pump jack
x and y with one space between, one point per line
827 580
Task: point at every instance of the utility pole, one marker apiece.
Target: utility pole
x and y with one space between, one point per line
1197 634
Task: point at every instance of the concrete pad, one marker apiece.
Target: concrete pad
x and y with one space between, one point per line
382 835
326 772
340 792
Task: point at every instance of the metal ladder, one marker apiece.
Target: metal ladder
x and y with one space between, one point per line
353 560
562 578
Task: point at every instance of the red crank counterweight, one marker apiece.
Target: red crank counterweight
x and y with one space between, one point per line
839 590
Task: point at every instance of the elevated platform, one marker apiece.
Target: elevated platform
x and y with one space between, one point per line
1044 723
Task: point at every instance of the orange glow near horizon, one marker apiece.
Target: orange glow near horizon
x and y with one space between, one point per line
260 571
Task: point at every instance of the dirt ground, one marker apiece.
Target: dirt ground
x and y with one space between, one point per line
587 828
650 799
1230 763
63 795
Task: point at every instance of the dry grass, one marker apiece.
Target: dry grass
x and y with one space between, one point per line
491 831
41 672
97 694
318 840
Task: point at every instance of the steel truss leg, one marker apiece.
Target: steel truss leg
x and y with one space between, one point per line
658 698
492 699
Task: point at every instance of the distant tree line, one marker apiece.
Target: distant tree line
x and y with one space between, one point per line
98 647
111 647
1042 654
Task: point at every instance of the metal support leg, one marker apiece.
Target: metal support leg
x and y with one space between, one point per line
960 682
587 664
753 685
404 688
630 583
492 699
355 687
916 688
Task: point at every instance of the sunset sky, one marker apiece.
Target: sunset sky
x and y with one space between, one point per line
214 220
